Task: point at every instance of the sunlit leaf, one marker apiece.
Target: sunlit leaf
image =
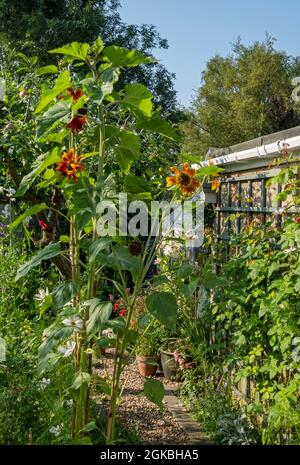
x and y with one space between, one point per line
75 50
61 84
122 56
138 97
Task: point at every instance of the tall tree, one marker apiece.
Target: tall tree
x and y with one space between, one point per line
37 26
242 96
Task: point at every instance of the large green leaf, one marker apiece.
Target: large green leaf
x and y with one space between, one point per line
138 97
61 84
122 258
43 162
51 69
30 211
154 391
55 336
122 56
189 289
136 184
63 293
58 113
109 77
76 50
50 251
185 271
79 379
211 280
158 125
128 149
97 246
96 91
163 306
211 170
99 315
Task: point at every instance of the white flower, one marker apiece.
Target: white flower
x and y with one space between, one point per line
44 382
75 321
42 294
68 349
108 333
290 250
69 402
55 430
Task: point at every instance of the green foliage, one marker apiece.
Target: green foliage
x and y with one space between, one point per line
163 306
243 96
154 391
50 251
37 27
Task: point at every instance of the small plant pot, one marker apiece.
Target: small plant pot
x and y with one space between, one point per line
147 365
169 365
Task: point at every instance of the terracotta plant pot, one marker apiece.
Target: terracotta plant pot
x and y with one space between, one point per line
147 365
169 365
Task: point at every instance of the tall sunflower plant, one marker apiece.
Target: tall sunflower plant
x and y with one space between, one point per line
89 127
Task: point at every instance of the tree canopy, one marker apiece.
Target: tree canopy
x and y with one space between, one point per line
242 96
36 26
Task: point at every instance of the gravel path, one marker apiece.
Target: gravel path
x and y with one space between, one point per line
152 425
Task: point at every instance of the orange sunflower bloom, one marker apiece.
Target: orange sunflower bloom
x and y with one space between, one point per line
70 165
77 123
184 179
215 184
75 94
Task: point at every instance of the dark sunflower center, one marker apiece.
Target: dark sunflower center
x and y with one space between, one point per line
185 179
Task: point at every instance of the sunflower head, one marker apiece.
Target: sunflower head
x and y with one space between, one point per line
77 123
185 179
215 184
75 94
136 248
70 165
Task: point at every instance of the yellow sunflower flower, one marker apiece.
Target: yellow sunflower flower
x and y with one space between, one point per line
215 184
184 179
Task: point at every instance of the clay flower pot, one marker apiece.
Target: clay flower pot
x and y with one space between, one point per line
147 365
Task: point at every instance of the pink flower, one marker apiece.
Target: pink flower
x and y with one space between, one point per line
297 219
111 297
122 313
43 225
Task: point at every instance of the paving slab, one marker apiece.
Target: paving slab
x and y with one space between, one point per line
191 428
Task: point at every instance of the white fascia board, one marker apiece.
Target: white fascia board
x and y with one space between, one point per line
256 154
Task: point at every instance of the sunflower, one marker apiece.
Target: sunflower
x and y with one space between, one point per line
75 94
70 165
215 184
185 179
77 123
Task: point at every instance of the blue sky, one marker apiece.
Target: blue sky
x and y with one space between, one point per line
196 30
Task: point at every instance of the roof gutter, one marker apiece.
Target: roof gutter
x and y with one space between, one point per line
254 154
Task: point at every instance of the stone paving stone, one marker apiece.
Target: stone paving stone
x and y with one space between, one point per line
184 419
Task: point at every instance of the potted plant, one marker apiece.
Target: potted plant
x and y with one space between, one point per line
169 365
147 350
